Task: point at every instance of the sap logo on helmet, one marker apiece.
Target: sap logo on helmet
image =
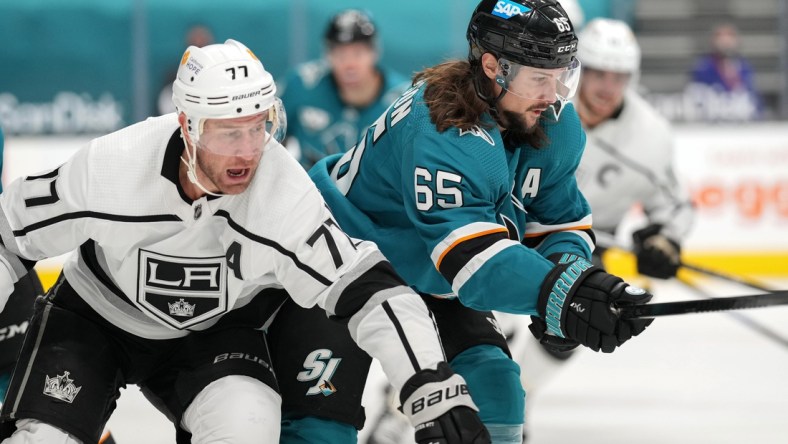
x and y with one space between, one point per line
508 9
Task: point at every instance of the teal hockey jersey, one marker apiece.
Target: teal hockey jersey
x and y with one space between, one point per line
457 213
318 119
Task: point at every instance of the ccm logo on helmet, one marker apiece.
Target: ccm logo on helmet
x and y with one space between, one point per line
567 48
508 9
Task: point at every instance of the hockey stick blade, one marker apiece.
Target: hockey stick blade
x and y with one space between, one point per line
700 306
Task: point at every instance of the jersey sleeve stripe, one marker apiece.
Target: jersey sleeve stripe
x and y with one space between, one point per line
96 215
478 261
353 293
282 250
370 304
534 229
545 233
401 333
458 257
461 235
587 235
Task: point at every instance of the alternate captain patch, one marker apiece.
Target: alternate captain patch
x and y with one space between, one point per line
182 291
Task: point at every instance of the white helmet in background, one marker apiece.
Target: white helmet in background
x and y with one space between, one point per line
608 45
575 12
225 81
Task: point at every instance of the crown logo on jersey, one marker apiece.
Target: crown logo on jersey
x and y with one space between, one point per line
61 387
182 308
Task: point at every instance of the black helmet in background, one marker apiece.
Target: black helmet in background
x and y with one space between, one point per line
350 26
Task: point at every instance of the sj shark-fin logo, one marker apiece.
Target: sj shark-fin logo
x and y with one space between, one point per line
478 132
508 9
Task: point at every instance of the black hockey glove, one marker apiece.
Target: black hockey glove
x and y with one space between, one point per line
657 256
438 404
578 303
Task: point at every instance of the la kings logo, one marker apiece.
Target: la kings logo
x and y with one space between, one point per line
182 291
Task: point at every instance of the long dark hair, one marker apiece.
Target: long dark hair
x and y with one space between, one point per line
452 98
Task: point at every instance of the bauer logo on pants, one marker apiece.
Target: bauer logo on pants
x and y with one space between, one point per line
182 291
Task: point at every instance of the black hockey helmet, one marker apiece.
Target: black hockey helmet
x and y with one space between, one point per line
534 33
349 26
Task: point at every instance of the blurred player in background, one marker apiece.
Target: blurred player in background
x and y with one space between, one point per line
197 35
190 229
467 184
575 13
627 161
330 101
628 158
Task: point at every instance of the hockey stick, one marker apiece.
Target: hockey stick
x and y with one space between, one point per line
607 240
748 322
719 304
727 277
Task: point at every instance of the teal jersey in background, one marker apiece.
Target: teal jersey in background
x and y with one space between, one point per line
453 211
318 119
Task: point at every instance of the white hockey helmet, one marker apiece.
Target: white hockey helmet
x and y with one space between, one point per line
608 45
224 81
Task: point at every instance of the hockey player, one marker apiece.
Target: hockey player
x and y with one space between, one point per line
627 161
331 101
190 229
629 152
467 185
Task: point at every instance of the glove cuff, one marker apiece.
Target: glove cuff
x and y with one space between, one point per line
559 286
430 393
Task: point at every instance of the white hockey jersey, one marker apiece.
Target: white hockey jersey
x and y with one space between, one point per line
158 265
627 160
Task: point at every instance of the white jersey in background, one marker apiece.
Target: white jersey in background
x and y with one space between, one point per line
628 159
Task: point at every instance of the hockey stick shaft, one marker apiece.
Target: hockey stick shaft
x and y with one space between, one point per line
720 304
727 277
607 240
741 318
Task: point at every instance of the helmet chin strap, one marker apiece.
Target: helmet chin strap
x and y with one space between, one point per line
191 164
491 102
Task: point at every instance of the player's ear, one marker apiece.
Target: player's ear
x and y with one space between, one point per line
182 121
489 65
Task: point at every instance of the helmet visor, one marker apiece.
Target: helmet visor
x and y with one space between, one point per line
248 136
528 82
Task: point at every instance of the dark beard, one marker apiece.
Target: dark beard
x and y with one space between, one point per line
516 133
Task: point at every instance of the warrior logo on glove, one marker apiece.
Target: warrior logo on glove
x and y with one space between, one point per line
593 296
